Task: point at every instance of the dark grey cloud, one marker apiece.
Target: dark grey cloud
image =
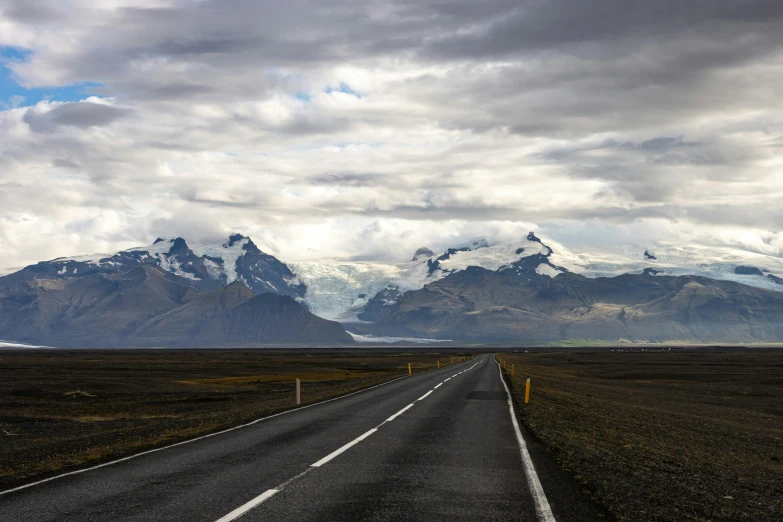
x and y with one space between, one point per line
176 91
33 11
553 24
65 164
80 114
348 179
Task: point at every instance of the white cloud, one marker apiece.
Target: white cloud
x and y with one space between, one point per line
473 121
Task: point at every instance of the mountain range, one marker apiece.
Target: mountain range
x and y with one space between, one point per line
231 293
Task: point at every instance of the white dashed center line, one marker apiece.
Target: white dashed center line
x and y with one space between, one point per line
244 508
406 408
336 452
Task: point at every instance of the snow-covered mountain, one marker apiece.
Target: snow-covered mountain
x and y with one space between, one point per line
206 266
363 291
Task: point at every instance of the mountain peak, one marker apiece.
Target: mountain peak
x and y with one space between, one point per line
531 236
422 253
251 247
237 285
234 238
178 245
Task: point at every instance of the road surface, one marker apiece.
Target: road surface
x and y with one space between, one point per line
436 446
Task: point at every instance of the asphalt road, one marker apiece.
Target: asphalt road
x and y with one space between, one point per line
435 446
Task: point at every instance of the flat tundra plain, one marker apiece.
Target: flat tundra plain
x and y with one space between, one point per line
662 435
62 410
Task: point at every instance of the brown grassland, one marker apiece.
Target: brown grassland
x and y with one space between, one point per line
61 410
662 435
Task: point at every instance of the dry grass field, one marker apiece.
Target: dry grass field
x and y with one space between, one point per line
662 435
60 410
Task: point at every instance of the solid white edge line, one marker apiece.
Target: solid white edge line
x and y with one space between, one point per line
244 508
336 452
208 435
424 396
543 510
406 408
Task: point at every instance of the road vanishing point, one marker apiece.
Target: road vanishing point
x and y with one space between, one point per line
443 445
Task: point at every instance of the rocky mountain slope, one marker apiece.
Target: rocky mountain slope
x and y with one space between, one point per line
148 306
504 306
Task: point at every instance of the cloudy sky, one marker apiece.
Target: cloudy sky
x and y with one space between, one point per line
369 128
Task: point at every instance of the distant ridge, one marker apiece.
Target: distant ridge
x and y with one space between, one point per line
231 292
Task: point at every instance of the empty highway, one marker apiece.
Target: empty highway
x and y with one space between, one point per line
436 446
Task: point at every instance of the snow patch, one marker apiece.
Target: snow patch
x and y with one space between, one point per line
493 257
158 250
175 268
213 269
91 259
383 339
11 344
673 260
546 270
229 254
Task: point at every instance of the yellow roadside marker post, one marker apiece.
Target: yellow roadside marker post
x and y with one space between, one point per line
409 369
298 392
527 390
438 364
